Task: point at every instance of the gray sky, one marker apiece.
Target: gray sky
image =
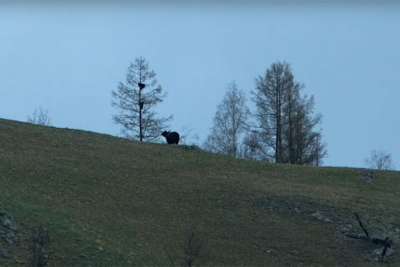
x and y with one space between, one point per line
68 59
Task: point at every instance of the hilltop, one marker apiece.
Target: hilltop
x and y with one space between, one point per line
107 201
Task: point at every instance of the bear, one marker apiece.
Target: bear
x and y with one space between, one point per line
172 137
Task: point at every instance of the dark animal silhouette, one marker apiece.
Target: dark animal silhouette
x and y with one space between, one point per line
172 137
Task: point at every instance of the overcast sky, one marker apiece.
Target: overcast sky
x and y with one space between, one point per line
68 59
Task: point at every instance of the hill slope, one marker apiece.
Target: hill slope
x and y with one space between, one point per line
110 202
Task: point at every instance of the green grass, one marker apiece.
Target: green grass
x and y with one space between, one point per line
110 202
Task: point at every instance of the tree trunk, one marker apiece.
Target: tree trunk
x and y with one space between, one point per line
140 109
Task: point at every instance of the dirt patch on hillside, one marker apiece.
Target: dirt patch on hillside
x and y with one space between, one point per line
343 221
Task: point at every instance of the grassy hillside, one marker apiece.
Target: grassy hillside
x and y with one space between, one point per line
110 202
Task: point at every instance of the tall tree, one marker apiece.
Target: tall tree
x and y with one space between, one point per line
269 97
229 124
286 124
136 99
290 115
308 147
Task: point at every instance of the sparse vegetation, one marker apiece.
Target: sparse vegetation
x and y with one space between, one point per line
40 117
379 160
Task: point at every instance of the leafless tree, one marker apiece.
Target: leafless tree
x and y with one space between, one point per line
379 160
188 137
253 147
318 150
229 124
192 248
40 116
286 123
136 99
40 247
190 252
269 97
307 145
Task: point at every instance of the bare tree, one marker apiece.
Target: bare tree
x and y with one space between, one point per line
269 97
40 116
40 247
192 251
229 124
286 124
192 248
318 150
188 137
253 146
379 160
135 100
308 147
